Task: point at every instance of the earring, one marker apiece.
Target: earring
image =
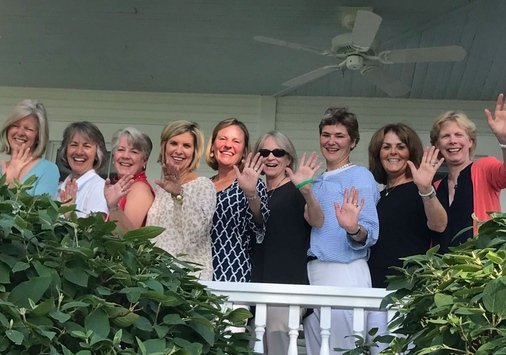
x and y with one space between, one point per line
242 161
212 154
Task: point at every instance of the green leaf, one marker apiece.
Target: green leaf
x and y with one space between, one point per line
143 234
15 336
144 324
442 300
20 266
98 322
33 289
76 276
4 274
43 308
59 316
494 298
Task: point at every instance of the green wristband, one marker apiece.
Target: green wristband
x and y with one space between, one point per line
310 181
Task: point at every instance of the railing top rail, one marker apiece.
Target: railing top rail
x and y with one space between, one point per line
303 295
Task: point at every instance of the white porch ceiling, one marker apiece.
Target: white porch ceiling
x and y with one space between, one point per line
201 46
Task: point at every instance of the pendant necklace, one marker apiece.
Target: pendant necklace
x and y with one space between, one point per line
388 190
270 193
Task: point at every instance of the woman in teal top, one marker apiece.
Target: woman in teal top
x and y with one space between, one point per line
24 136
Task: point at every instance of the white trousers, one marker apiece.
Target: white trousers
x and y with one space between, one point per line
323 273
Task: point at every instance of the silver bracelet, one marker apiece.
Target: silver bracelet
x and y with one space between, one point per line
251 198
503 146
429 195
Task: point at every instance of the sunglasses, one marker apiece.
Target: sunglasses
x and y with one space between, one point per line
278 153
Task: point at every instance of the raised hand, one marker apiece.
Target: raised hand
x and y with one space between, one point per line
497 122
424 174
248 178
306 169
171 179
20 158
68 195
347 214
114 193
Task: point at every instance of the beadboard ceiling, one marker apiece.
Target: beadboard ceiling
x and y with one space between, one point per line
204 46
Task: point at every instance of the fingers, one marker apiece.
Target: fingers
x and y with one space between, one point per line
257 162
499 105
289 172
337 208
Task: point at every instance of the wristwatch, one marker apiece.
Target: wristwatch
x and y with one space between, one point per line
430 196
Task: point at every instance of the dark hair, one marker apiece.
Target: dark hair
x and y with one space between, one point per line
210 158
340 115
90 131
407 136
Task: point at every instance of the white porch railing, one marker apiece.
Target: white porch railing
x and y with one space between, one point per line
262 295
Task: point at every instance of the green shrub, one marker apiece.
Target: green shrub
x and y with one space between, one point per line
454 303
70 286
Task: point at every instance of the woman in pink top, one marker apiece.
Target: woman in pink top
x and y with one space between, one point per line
130 198
470 187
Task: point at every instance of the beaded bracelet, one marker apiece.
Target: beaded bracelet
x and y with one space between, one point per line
310 181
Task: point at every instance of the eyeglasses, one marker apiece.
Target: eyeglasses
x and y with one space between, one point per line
278 153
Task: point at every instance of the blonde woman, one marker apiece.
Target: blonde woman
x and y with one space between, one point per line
185 202
24 137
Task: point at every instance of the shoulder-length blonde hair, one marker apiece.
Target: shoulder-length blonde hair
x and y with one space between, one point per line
26 108
179 127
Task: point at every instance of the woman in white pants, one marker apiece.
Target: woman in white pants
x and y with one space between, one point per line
339 250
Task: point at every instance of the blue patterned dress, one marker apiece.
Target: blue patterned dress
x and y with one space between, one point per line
232 231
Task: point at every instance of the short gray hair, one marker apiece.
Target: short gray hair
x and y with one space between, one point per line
26 108
91 132
283 142
136 138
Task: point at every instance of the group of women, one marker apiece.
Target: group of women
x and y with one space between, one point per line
290 226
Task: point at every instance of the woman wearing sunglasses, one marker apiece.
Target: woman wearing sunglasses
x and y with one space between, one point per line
281 258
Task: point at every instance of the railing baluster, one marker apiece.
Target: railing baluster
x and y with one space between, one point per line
293 325
325 313
358 321
260 320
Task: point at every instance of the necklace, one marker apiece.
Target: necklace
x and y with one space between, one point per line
345 166
270 193
388 190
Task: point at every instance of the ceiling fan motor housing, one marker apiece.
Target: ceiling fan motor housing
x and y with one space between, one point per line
354 62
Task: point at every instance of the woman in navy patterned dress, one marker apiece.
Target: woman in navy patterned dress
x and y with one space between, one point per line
241 201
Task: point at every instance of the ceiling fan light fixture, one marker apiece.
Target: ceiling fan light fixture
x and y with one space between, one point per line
354 62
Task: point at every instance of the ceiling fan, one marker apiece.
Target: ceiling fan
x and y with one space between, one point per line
359 51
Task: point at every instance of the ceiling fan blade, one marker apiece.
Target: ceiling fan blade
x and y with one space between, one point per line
366 26
311 76
384 81
278 42
420 55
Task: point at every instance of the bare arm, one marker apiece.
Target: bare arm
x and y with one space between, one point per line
248 180
497 124
313 212
422 177
139 200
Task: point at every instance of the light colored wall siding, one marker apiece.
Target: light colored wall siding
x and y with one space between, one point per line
297 117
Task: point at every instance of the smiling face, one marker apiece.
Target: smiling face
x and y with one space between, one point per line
336 145
23 132
273 166
127 159
454 144
180 150
228 147
394 155
81 154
